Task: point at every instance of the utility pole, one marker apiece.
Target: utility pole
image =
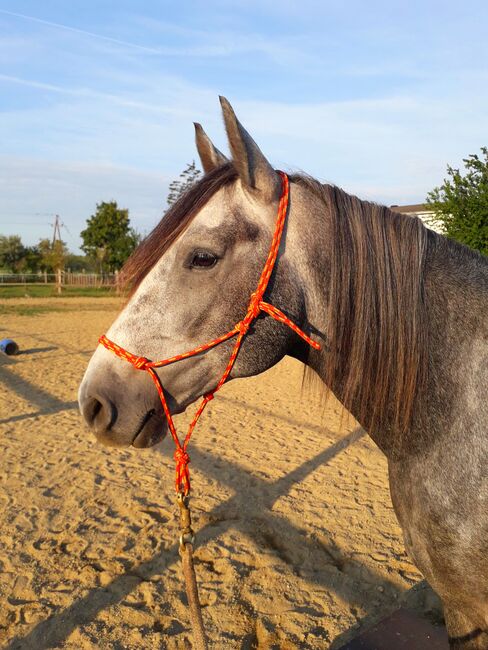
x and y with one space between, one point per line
57 230
57 238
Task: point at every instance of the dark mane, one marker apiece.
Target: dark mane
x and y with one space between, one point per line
376 328
173 223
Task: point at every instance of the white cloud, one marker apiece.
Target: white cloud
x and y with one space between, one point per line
214 44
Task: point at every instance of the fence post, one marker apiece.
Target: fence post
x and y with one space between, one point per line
58 281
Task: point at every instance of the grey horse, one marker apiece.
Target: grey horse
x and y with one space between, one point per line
400 313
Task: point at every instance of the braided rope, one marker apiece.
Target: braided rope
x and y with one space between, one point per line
256 305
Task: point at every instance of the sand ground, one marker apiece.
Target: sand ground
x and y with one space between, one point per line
298 545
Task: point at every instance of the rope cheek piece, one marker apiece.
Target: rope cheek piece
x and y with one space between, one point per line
182 459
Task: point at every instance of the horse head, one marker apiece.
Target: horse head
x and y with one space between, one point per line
191 281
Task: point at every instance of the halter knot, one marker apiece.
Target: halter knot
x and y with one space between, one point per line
140 363
253 312
181 457
243 326
254 307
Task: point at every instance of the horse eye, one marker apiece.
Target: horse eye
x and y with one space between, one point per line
203 260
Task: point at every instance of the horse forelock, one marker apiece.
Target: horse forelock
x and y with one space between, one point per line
176 219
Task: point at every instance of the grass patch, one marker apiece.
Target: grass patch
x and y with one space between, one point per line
31 300
24 309
49 291
27 310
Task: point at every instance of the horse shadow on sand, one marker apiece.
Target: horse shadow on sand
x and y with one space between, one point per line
46 403
250 511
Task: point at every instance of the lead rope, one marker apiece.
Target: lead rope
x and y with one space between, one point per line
182 459
187 539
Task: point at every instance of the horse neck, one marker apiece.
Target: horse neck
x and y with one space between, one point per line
456 291
449 269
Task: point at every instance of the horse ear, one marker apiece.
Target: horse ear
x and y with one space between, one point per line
210 156
254 170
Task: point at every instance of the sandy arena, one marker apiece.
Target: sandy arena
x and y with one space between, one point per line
297 541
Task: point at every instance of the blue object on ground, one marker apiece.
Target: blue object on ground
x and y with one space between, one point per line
9 346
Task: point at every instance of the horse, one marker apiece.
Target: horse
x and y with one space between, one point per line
400 314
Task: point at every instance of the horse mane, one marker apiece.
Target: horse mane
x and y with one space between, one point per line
376 331
175 220
376 325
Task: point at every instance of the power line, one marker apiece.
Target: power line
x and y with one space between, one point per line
63 225
57 225
22 223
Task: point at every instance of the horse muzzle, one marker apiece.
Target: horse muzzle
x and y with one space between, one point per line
114 427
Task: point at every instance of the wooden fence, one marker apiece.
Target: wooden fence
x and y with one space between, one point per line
63 278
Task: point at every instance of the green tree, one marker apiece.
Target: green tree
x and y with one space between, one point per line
108 237
77 263
186 179
12 253
33 259
460 204
52 254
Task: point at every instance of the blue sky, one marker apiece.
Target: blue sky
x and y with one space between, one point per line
97 99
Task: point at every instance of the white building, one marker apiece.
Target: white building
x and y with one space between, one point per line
422 211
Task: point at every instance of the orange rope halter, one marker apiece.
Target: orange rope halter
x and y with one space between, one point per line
256 305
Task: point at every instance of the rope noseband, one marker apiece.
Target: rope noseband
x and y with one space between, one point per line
256 306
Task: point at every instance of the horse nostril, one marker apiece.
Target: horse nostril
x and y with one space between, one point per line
92 409
99 412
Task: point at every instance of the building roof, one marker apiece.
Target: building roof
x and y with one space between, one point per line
406 209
